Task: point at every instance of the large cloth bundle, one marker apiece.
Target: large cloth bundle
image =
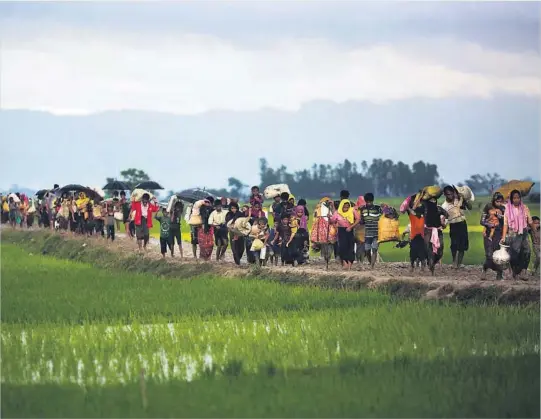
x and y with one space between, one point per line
257 245
272 191
428 192
405 204
524 187
137 195
172 201
388 230
15 198
322 231
31 207
240 227
466 193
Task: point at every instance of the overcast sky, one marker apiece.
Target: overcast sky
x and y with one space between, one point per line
247 56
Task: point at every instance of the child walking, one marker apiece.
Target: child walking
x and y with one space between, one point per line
110 222
165 233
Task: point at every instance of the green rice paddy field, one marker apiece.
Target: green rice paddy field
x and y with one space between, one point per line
75 340
389 253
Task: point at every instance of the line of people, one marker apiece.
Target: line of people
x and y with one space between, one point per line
350 230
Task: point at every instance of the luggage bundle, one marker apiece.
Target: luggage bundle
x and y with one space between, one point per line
427 193
466 193
240 226
272 191
388 225
137 195
524 187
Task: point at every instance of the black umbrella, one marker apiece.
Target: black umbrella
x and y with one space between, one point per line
193 195
41 193
80 188
149 185
116 185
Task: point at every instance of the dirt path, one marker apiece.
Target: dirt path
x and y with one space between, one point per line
448 283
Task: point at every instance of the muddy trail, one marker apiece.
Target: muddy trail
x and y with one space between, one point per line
463 285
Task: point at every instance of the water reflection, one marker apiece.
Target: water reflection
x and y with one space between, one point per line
91 355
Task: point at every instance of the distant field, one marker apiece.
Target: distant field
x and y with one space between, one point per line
389 253
75 337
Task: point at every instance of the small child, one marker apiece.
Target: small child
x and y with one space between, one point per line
97 214
110 222
416 230
494 216
534 234
273 250
294 225
256 196
165 233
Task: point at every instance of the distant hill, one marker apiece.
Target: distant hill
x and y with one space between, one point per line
462 136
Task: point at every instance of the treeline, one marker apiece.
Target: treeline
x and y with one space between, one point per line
384 178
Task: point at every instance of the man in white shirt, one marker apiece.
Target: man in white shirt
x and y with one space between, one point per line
458 228
217 220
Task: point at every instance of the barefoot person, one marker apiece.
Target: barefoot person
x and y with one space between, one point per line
492 219
165 233
217 220
176 224
370 215
142 214
346 218
455 205
517 220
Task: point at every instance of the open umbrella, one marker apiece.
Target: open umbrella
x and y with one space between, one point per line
116 185
193 195
80 188
41 193
149 185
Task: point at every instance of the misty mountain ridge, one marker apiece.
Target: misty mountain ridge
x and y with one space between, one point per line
461 136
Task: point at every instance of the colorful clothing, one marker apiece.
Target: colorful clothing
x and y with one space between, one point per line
206 242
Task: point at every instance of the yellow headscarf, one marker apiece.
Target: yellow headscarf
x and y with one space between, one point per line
82 202
291 197
349 214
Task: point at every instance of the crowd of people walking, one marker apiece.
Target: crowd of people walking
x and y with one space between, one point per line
350 230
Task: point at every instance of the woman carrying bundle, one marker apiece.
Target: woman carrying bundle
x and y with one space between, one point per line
205 233
142 212
517 220
458 228
492 219
346 218
435 217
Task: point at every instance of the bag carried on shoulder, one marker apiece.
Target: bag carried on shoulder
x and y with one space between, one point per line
195 220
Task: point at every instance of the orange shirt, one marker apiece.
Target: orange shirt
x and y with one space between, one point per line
417 226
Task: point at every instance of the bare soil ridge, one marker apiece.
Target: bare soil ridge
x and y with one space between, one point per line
464 285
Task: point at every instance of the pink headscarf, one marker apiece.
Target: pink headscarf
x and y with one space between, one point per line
360 202
516 221
299 209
